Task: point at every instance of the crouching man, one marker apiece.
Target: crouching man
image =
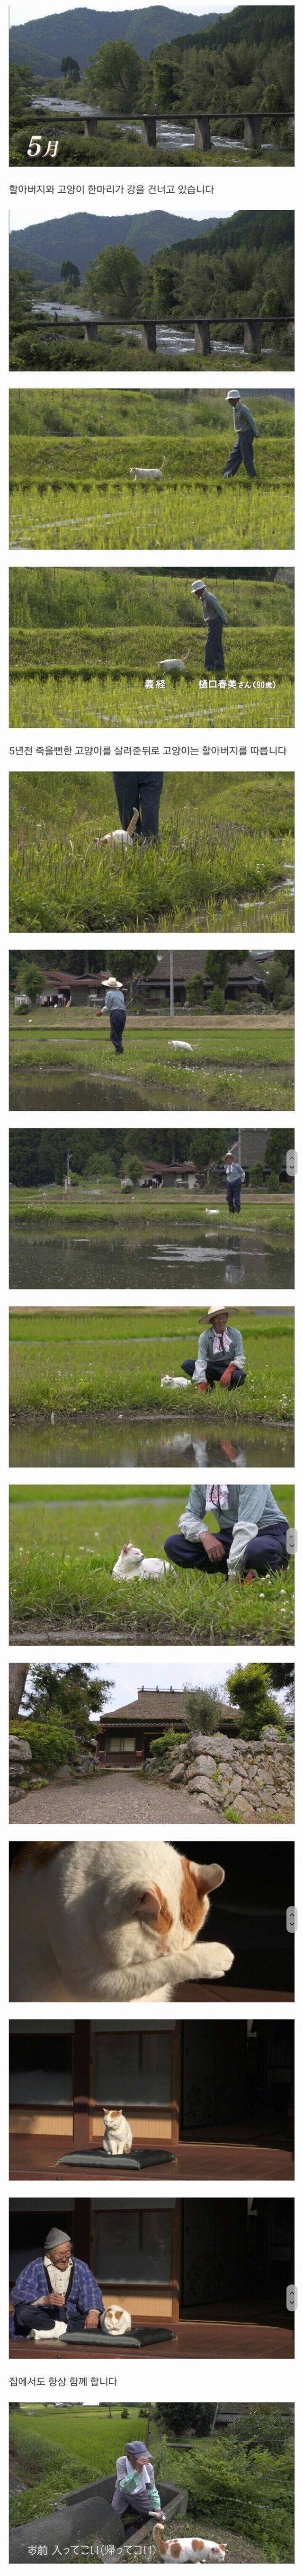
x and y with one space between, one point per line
251 1537
220 1357
55 2286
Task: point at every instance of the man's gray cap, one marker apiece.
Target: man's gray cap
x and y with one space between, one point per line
56 2236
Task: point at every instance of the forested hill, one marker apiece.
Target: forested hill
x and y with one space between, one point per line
245 26
43 247
80 32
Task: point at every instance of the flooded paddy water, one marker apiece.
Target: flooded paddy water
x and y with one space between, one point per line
95 1441
62 1258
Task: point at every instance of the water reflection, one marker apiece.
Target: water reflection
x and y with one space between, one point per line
66 1260
104 1444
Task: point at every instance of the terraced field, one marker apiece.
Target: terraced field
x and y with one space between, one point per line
96 653
71 468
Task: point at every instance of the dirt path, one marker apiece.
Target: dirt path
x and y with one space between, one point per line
109 1797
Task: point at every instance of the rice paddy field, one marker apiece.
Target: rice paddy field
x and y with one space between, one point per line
88 648
55 2448
65 1542
225 858
74 1390
72 457
62 1059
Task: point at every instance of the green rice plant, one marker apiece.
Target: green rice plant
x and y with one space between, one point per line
225 851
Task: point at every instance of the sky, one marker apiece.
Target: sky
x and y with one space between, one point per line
19 16
162 1668
24 211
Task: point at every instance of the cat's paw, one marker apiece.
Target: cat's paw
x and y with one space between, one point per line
221 1959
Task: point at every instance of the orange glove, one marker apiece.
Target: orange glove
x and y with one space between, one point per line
202 1384
227 1374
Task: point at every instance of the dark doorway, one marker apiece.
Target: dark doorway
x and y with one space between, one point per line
249 1912
237 2079
236 2256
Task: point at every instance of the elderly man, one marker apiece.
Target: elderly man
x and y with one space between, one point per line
116 1007
55 2286
214 619
252 1534
220 1359
132 788
235 1174
243 452
135 2485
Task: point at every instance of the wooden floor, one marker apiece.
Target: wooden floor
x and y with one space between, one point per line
250 2159
202 2339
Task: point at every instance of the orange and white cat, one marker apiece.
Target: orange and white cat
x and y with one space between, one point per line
118 2136
110 1921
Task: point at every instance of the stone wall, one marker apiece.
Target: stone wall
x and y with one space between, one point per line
255 1780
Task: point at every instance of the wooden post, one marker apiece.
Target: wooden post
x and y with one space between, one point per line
202 135
202 340
176 2264
81 2083
177 2034
90 330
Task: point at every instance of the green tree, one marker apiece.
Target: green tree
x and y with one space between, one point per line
113 281
70 68
30 978
204 1710
114 77
248 1690
70 274
59 1703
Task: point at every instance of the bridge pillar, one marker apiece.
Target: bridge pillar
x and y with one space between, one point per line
202 138
252 131
202 340
252 338
90 330
149 131
149 336
91 121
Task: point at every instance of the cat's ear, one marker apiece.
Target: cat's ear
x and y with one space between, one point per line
148 1904
208 1876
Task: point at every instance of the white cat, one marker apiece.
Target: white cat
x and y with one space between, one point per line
118 2136
131 1563
110 1921
116 2321
206 2553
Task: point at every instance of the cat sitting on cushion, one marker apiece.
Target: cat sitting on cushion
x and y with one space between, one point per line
116 2321
110 1921
118 2136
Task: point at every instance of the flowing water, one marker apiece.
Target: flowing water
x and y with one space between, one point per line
87 1260
94 1442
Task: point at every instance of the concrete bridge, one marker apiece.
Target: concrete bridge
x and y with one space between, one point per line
91 117
205 329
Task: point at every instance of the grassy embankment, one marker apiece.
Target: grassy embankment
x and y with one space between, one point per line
249 1062
53 1366
64 1543
225 858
